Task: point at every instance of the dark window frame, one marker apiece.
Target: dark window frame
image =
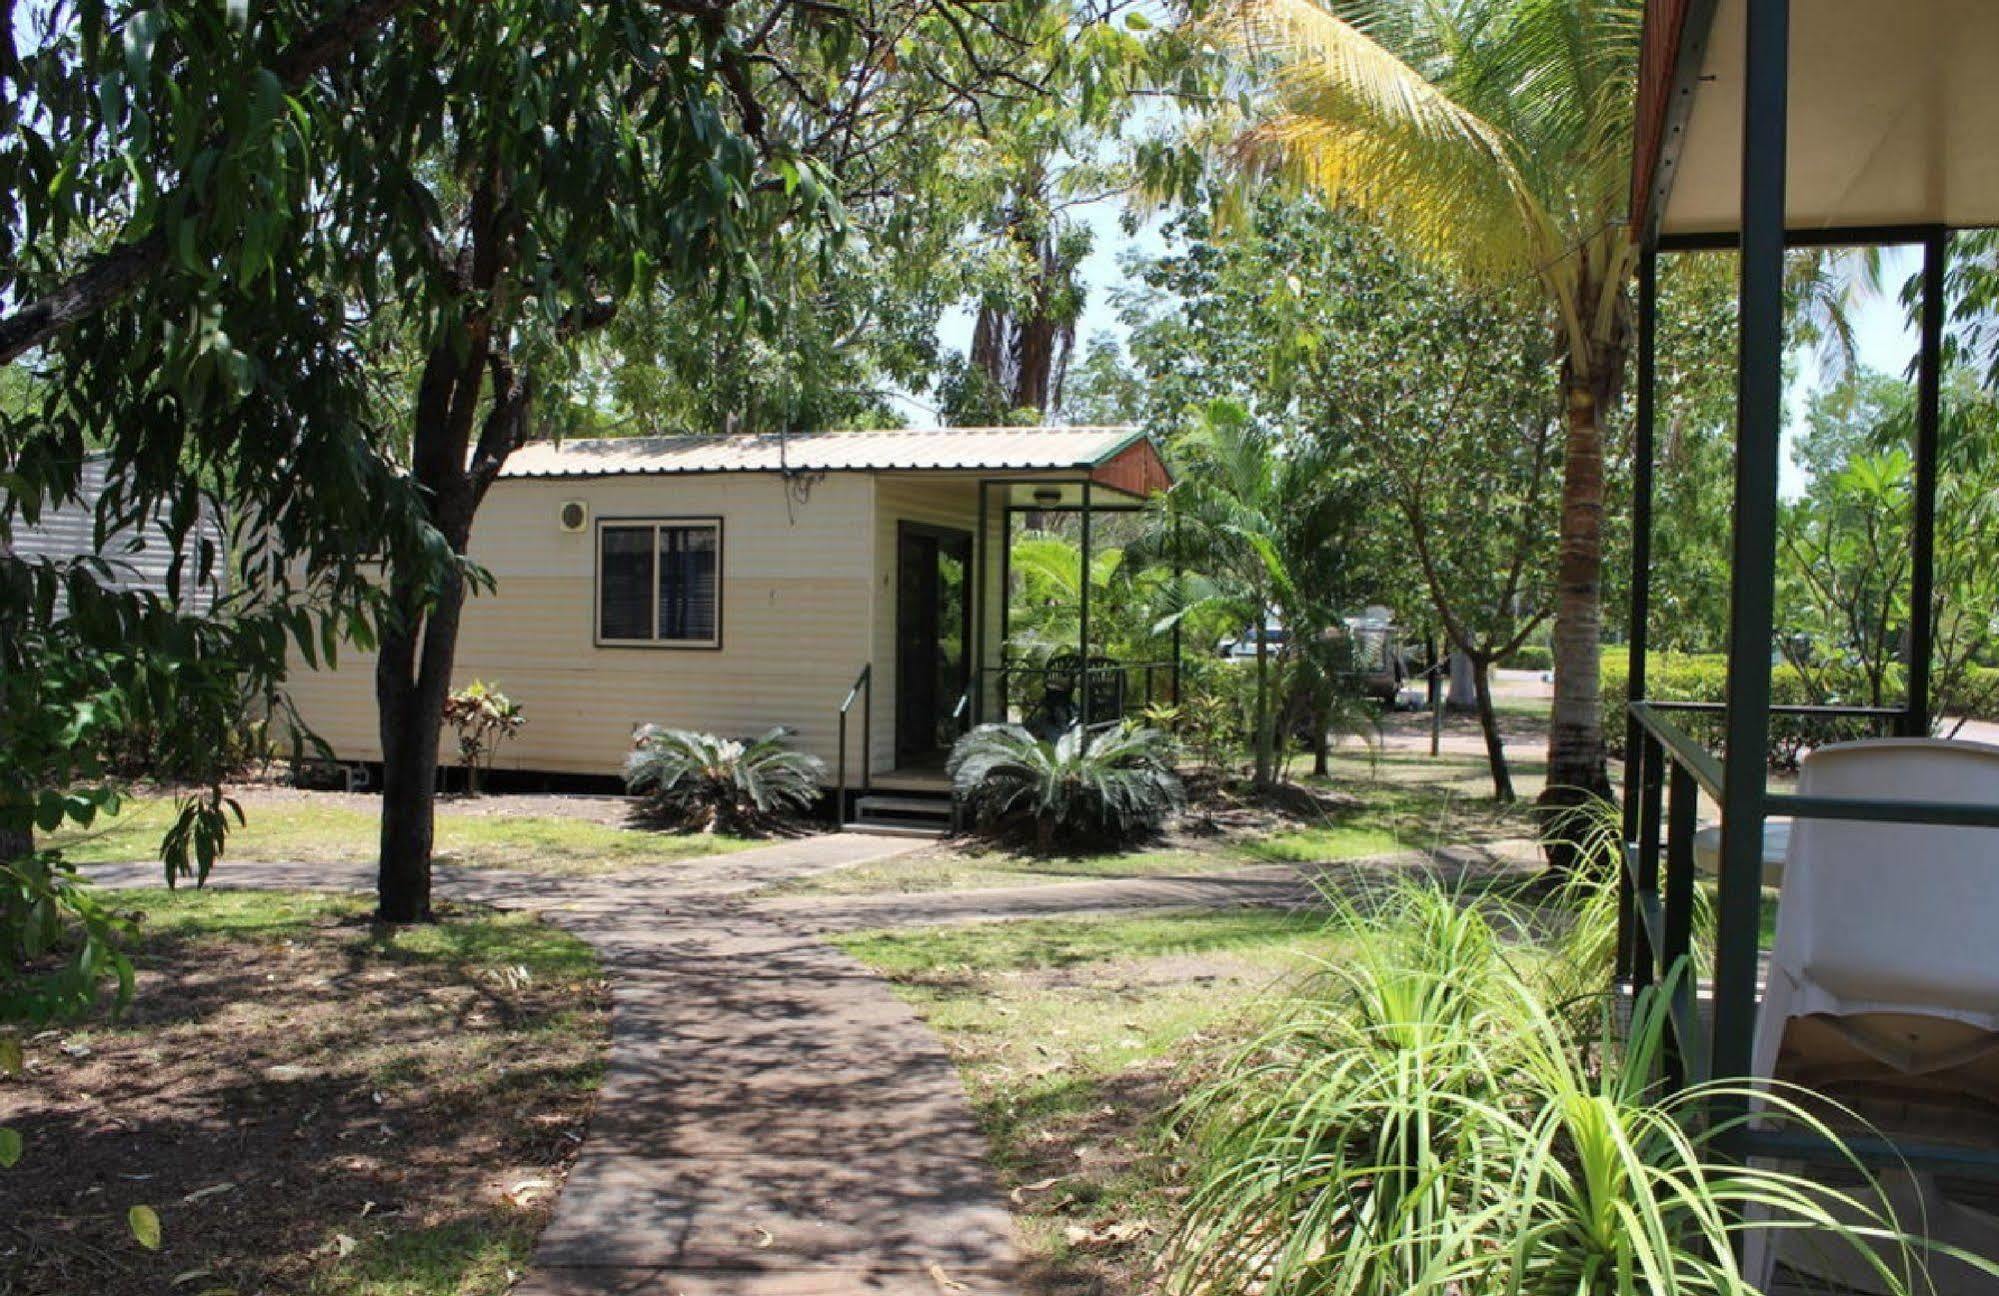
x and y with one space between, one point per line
654 523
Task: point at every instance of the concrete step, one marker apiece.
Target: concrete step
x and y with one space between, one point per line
918 807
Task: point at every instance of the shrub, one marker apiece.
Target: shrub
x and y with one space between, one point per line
1676 677
1422 1118
703 783
1103 787
1532 657
484 718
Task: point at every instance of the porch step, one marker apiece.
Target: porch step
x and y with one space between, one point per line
920 807
907 815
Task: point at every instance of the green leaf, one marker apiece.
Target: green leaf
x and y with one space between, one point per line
10 1147
10 1055
144 1222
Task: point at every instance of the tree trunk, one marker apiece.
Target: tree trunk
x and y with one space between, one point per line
1577 763
1488 723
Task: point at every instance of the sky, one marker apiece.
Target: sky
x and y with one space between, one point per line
1882 337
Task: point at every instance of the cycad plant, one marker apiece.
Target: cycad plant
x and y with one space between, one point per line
1104 786
702 783
1422 1119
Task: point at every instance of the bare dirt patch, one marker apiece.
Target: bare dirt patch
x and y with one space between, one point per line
309 1106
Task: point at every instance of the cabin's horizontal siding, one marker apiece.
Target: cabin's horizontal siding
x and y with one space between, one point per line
797 565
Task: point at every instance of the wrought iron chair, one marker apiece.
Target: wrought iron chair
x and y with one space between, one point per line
1056 711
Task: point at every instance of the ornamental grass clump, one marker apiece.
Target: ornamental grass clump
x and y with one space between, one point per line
1089 788
1421 1118
698 782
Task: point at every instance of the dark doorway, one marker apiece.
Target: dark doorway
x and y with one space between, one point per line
933 635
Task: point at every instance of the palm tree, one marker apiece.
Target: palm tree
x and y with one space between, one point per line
1268 522
1494 137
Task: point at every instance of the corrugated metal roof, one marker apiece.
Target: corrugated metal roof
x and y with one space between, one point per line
137 560
893 450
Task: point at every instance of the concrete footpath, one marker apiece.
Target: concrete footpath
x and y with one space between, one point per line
773 1122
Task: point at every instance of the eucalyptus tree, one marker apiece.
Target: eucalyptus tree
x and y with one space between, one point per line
1494 137
335 268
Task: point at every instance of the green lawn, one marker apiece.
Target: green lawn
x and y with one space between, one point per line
343 829
311 1102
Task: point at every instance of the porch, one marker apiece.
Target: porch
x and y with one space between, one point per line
948 653
1760 130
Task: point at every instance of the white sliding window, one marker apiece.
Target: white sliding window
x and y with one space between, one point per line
659 583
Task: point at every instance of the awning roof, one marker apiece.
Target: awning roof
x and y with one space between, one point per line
1120 452
1892 109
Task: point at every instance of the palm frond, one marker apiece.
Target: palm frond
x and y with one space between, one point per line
1364 127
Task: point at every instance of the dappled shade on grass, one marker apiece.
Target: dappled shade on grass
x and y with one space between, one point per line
310 1102
338 828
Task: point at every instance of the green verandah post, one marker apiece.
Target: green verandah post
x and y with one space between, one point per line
1641 594
1922 548
1759 423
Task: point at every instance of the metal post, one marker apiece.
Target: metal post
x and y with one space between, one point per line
1179 577
980 557
1641 587
1083 611
1922 548
1645 959
1676 942
1006 605
1759 421
868 729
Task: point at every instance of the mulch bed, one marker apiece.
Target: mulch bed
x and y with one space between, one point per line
301 1111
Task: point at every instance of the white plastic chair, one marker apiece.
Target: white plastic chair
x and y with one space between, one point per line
1883 986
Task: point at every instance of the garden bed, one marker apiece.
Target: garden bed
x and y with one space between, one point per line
308 1103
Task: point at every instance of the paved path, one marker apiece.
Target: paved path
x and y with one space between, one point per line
774 1122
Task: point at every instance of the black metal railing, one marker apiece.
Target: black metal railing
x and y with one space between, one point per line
1667 771
864 690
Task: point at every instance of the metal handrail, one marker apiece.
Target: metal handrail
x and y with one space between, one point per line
864 689
1831 711
1688 753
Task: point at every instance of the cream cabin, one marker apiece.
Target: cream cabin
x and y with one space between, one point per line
734 583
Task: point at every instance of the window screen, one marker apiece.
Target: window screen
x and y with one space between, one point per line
659 582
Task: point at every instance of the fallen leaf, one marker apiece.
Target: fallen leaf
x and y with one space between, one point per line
943 1280
144 1222
209 1191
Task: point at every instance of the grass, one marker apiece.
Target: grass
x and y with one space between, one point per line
919 953
1334 842
467 941
344 830
1071 1036
367 1102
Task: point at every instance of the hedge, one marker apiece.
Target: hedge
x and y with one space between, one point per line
1686 677
1532 657
1678 677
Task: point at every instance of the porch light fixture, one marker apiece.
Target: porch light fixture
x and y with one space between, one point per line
1047 496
